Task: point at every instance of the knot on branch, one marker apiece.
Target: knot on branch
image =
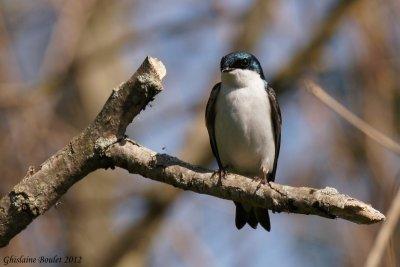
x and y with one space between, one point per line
31 171
21 202
102 143
100 147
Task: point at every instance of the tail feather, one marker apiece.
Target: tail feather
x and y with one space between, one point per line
241 216
263 218
252 217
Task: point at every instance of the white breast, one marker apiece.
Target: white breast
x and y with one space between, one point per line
243 128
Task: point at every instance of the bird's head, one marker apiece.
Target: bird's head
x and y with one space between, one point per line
241 61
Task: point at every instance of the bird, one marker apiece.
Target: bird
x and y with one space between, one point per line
243 121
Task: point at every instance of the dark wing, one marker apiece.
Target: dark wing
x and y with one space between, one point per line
276 124
210 121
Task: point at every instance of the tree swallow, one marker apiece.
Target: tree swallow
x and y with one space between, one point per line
244 126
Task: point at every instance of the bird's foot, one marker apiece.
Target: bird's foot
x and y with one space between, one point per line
221 174
259 179
262 180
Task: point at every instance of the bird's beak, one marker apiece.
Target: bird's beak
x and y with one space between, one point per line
227 70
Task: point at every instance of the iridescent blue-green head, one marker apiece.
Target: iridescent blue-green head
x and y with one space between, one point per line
241 60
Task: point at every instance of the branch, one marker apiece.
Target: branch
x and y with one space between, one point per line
385 233
41 189
326 202
351 118
102 144
310 54
137 236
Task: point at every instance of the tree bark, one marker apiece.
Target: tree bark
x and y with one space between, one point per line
325 202
40 189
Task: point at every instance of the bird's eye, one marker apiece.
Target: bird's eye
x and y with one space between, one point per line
245 62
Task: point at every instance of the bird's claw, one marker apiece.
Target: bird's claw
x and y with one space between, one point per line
263 180
221 174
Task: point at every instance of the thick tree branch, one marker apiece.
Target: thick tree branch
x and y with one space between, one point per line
40 189
102 145
304 200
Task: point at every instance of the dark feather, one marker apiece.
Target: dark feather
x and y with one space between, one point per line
252 219
210 121
263 218
241 216
276 120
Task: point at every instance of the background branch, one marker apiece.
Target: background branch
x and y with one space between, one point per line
389 227
311 53
351 118
385 233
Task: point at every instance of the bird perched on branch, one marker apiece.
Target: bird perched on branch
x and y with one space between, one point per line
244 126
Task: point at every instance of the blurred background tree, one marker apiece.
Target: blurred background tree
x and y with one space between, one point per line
59 60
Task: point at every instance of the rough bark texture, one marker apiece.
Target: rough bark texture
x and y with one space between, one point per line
325 202
40 189
102 145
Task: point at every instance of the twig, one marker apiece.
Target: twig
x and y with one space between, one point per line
364 127
385 233
102 145
64 40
